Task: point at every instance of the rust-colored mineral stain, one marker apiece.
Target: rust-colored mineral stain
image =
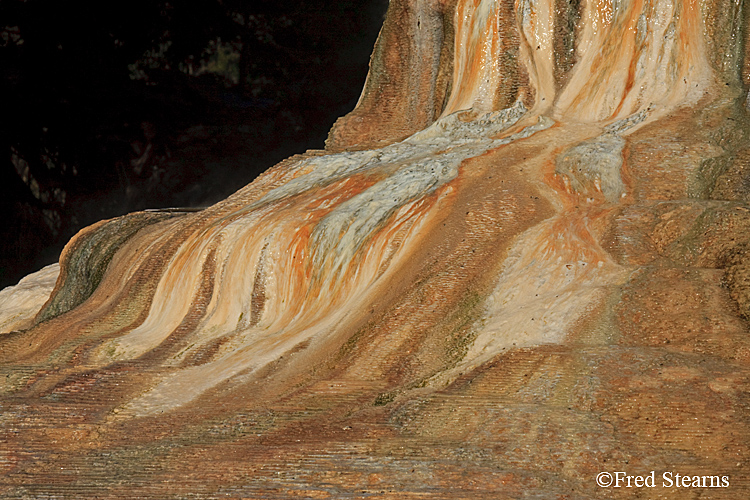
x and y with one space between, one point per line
507 275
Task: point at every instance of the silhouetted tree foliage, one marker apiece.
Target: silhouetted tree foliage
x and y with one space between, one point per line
110 107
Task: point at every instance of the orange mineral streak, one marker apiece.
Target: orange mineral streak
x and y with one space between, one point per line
281 248
536 27
477 64
266 258
302 303
481 45
555 271
645 54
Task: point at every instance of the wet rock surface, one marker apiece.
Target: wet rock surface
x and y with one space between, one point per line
541 278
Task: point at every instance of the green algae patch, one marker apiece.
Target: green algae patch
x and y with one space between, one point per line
85 263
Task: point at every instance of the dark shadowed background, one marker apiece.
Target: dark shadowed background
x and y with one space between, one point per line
117 106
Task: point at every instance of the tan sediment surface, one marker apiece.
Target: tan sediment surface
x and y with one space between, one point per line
521 262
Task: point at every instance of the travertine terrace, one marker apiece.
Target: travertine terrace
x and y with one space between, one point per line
521 260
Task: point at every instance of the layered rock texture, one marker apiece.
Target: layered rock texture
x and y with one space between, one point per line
522 260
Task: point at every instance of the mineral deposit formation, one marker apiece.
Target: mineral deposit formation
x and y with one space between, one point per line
520 262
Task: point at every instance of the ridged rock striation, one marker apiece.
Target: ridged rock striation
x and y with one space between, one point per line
520 261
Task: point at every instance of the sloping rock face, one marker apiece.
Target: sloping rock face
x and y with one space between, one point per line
521 262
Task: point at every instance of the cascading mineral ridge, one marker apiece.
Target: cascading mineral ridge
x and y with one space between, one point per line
521 261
